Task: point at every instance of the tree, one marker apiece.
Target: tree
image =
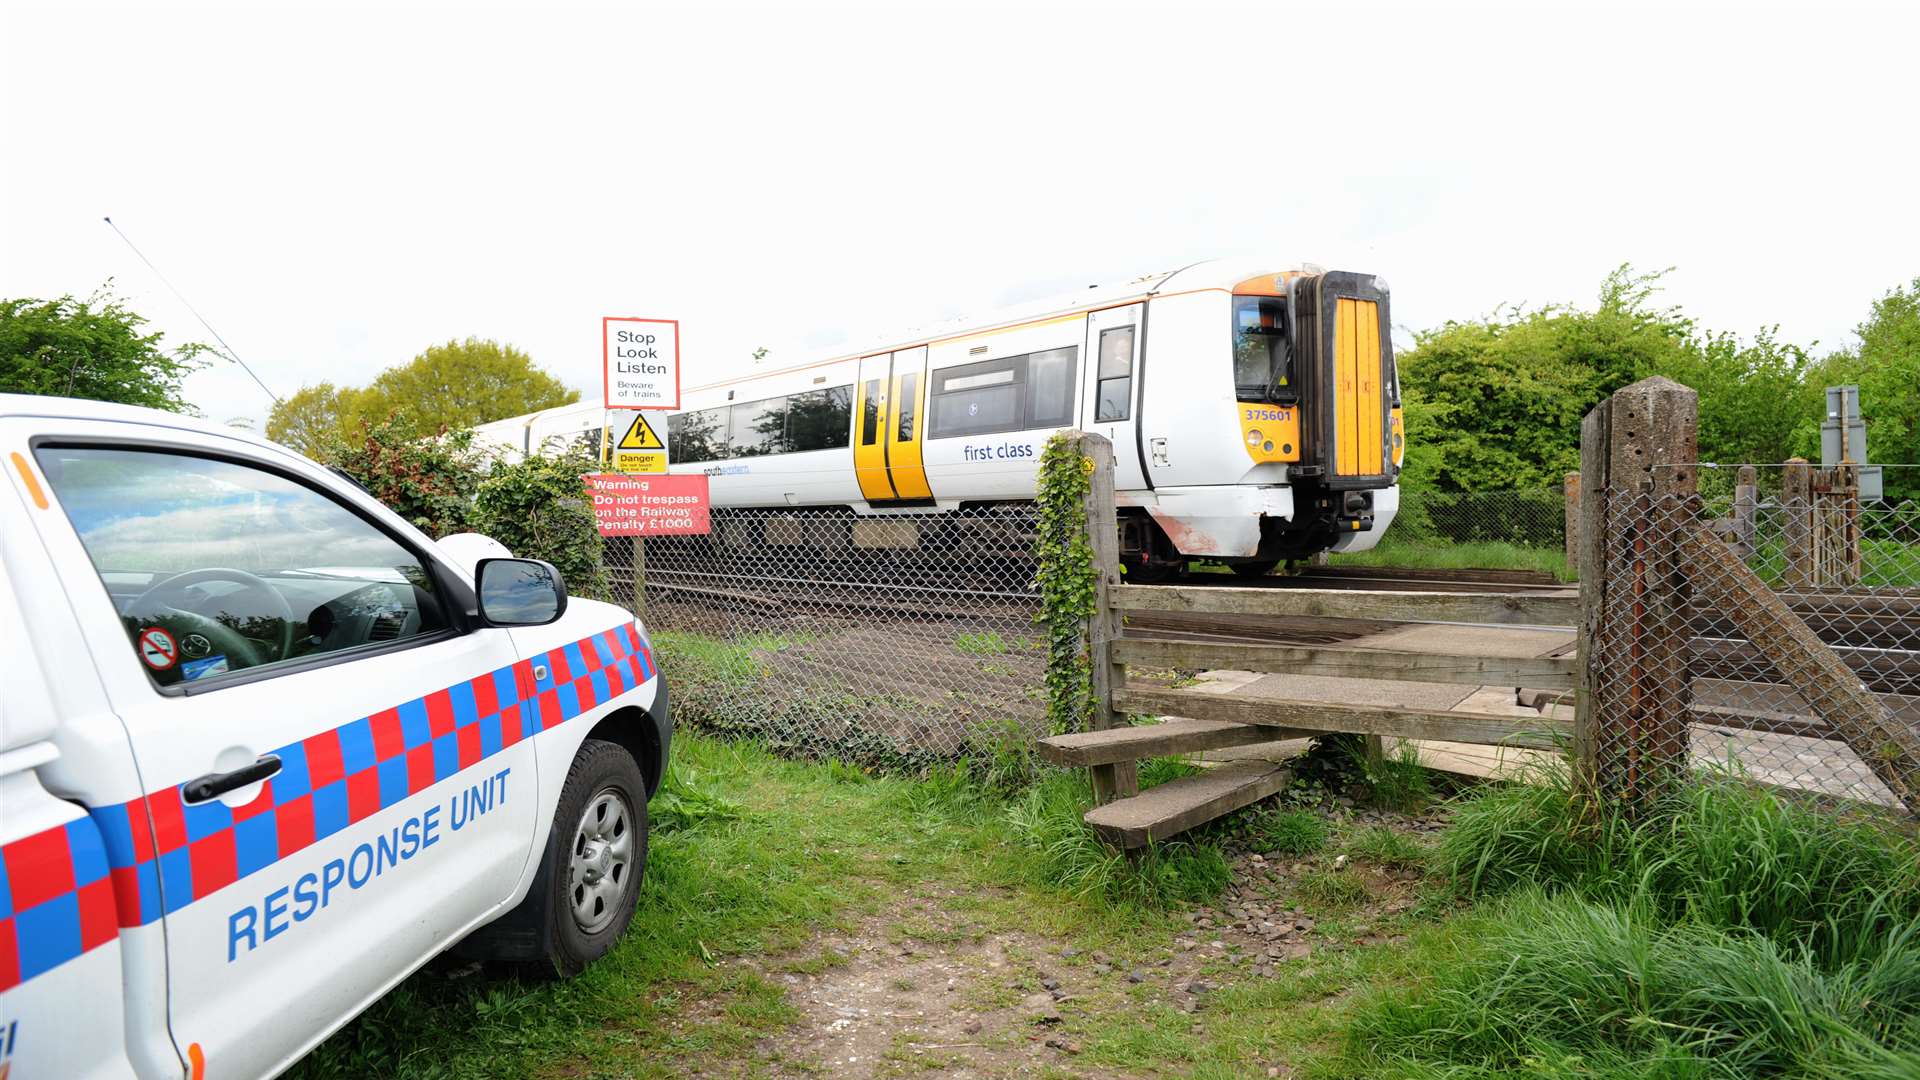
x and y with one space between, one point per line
317 420
90 348
463 383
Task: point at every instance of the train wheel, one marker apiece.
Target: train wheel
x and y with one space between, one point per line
1255 569
1151 573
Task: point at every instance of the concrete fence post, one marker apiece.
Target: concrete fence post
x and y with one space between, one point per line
1637 459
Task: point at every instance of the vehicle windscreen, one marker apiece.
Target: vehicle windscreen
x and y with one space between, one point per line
1262 356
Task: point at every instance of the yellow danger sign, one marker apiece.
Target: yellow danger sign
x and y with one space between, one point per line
640 450
640 436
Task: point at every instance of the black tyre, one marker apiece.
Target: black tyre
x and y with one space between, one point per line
596 856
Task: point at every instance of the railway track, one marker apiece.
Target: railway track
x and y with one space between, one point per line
961 598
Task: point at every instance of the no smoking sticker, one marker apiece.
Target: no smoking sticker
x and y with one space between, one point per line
158 650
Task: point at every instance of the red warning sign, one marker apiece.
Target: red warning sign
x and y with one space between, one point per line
158 650
649 505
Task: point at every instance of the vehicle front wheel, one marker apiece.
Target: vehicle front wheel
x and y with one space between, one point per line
595 858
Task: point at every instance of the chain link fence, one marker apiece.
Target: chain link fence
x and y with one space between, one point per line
1768 628
1525 518
901 640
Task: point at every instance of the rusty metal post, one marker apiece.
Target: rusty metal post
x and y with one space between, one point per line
1796 502
1637 457
1572 519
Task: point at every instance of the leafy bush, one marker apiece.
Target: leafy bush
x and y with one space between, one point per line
539 508
430 482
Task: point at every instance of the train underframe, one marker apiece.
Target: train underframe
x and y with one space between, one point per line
992 535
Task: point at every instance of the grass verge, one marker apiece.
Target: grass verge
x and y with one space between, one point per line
1726 933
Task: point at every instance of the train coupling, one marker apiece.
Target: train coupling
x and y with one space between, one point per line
1355 513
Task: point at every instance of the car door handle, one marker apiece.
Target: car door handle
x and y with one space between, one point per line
201 788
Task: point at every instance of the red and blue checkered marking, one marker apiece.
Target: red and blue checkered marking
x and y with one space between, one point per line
67 890
56 900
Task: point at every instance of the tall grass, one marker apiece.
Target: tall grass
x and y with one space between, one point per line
1726 933
1715 852
1565 982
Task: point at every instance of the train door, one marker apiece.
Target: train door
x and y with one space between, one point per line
904 464
870 428
1111 404
888 422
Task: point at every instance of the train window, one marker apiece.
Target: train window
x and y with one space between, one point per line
697 436
1050 379
973 399
1114 397
1262 358
869 412
909 397
819 419
758 427
1008 394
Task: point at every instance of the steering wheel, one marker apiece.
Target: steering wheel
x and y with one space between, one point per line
164 598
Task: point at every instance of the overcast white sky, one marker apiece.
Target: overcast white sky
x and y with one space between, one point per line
336 186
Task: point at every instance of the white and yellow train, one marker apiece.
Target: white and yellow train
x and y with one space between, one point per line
1254 415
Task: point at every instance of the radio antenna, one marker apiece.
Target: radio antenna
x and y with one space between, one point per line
229 353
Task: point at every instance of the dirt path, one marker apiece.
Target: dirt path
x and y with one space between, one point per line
938 986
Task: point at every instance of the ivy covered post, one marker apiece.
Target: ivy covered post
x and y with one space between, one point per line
1079 562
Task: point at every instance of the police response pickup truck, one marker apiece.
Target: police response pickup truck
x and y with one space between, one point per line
265 749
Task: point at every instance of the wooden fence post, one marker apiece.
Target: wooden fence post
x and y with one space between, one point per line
1637 458
1572 510
1746 500
1120 779
1796 501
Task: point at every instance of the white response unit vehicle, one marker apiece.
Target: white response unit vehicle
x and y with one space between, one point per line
265 749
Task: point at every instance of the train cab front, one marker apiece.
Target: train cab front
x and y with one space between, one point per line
1319 406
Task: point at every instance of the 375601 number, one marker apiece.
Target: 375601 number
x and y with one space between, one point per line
1272 415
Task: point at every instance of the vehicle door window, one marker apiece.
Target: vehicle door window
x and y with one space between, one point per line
1114 401
217 567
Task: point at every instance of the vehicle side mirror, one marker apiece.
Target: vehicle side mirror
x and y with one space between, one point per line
519 592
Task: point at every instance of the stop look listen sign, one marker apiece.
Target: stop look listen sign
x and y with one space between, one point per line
642 362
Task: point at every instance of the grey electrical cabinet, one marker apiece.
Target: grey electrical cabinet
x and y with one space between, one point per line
1843 437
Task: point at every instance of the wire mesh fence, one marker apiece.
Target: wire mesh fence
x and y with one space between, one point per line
1525 518
899 640
1769 629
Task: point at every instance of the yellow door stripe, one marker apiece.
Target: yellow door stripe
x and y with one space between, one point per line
1366 316
1345 460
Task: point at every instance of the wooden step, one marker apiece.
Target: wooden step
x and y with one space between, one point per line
1174 807
1534 732
1144 741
